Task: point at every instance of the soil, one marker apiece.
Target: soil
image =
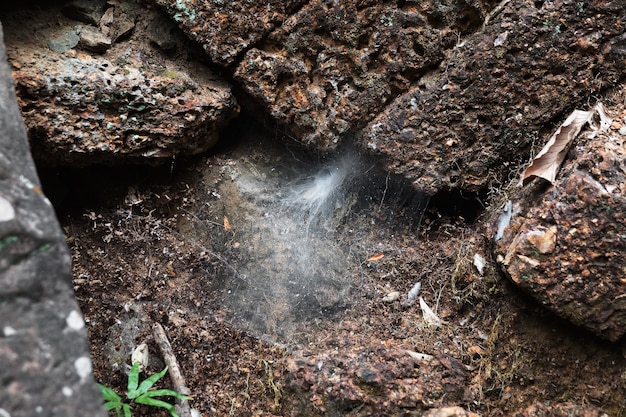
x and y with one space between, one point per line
183 245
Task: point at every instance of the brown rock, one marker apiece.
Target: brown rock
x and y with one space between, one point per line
474 117
93 40
333 67
565 245
378 380
131 105
227 28
116 23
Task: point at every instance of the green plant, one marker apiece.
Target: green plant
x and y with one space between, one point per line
140 394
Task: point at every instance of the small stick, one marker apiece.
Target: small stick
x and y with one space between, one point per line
174 370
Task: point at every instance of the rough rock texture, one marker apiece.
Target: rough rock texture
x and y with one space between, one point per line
565 244
425 75
126 103
379 379
45 367
330 67
498 89
227 28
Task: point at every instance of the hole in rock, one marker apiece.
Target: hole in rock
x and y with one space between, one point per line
458 204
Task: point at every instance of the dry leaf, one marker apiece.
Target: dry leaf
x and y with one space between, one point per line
429 315
479 263
547 162
141 354
226 223
376 257
605 120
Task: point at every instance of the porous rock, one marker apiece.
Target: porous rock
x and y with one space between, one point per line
131 104
476 116
380 379
226 29
328 68
452 94
45 367
565 243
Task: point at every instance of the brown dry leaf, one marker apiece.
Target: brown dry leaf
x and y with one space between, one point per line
546 164
226 223
376 257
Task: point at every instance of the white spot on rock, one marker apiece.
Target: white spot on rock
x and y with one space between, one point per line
7 212
75 321
83 367
67 391
4 413
8 331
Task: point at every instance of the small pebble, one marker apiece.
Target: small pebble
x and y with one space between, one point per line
391 297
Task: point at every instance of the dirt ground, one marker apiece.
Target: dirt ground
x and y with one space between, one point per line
182 245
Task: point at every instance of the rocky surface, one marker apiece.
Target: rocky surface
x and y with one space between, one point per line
90 94
45 365
565 243
328 67
374 380
497 90
425 76
226 29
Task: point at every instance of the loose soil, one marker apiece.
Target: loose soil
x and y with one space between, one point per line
168 245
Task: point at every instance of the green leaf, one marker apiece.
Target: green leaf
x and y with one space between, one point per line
127 409
148 383
157 403
165 393
109 395
111 405
133 380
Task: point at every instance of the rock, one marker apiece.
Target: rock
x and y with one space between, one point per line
421 78
565 244
377 380
327 69
561 410
87 11
472 119
92 39
226 29
64 41
44 357
116 23
331 67
131 104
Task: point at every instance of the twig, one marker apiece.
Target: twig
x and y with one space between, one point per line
174 370
494 12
